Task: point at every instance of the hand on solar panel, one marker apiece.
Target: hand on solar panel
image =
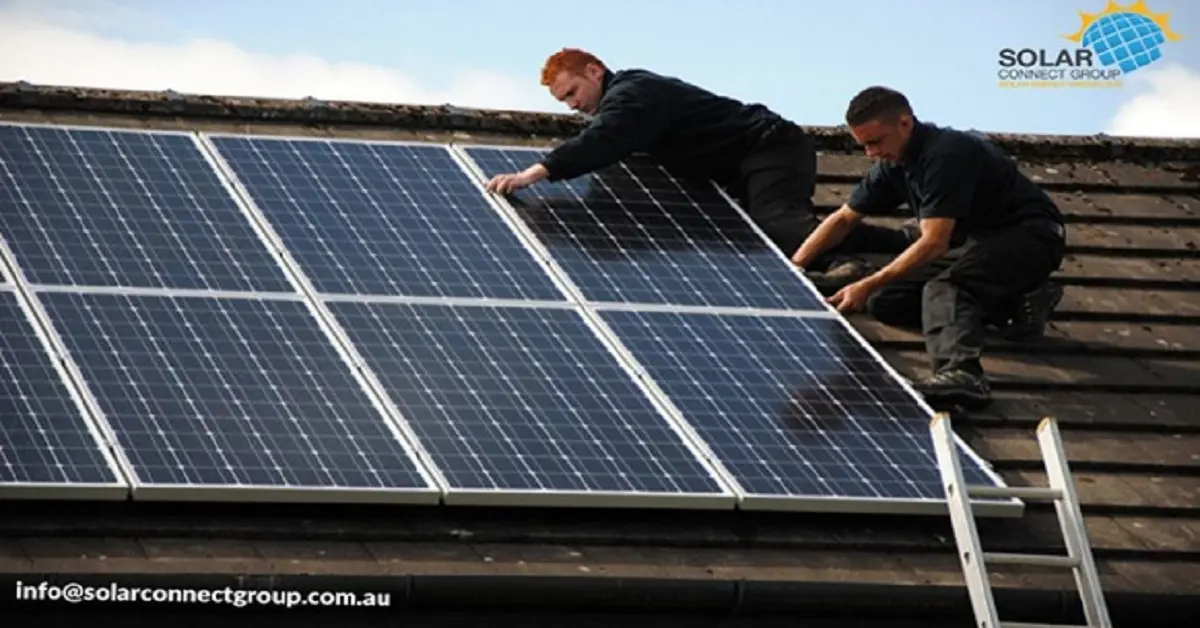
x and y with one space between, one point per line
509 183
852 297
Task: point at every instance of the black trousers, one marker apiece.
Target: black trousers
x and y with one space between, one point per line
776 184
953 298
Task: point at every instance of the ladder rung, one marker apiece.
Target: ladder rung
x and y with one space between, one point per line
1014 624
1034 493
1037 560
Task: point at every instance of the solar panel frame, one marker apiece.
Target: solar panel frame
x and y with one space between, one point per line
277 240
986 507
203 152
115 490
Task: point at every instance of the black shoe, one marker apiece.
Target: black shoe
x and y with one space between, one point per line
956 387
1033 312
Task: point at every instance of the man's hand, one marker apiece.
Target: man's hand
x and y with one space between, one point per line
932 244
509 183
853 297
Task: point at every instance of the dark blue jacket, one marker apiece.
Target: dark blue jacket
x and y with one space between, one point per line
690 130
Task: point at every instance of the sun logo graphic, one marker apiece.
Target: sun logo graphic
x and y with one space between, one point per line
1128 38
1110 44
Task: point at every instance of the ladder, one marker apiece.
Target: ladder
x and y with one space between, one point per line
1066 503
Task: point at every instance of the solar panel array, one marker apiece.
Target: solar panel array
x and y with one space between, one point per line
214 375
788 400
233 317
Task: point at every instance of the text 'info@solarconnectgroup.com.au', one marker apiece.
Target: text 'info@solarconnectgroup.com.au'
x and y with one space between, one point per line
74 593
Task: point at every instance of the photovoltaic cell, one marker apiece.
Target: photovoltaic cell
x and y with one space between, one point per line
228 393
517 399
95 207
44 438
633 233
792 406
384 219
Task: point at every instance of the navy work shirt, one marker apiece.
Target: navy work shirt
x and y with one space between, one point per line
688 129
946 173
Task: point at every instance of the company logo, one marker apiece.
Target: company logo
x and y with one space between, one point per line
1109 45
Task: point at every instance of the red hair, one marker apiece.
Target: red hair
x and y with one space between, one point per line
570 60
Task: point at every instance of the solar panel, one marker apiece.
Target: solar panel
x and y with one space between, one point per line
108 207
513 394
524 405
796 409
394 219
633 233
48 448
233 398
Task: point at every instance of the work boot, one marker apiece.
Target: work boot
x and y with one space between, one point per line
1033 312
841 272
955 386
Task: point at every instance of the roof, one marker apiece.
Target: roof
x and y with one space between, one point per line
1121 372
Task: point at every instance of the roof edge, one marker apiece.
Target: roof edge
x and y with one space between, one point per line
24 95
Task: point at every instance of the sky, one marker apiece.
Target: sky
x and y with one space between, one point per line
803 58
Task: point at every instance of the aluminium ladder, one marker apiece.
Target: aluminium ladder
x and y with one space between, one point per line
1066 503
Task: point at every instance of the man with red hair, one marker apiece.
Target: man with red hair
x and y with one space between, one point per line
764 161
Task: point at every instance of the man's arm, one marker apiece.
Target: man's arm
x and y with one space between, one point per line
630 119
876 193
950 182
827 235
932 244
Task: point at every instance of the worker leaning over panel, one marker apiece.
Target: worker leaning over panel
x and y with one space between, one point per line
762 160
989 240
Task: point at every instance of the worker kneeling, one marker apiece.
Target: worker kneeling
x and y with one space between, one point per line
988 241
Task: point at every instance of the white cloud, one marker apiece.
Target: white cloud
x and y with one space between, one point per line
1166 105
57 45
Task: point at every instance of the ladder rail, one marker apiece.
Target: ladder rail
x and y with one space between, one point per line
1070 520
1061 491
962 519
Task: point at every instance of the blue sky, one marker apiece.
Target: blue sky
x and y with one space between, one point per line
803 58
